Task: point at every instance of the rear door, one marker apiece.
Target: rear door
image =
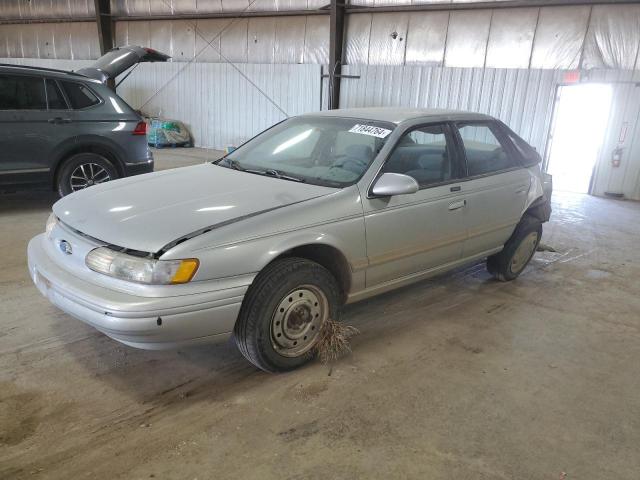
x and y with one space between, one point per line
408 234
118 60
495 186
29 128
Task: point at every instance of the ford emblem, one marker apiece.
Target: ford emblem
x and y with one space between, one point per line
65 247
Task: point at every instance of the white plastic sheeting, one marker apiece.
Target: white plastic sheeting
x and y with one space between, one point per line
28 9
613 37
427 38
467 38
219 106
299 39
78 40
522 98
511 38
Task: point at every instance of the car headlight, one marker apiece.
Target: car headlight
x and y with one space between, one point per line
141 270
52 221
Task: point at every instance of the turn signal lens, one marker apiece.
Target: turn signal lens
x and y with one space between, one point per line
186 271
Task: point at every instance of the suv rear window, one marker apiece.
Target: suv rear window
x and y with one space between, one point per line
22 92
79 95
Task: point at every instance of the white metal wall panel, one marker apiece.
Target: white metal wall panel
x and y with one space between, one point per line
613 37
316 40
511 38
522 98
233 41
261 39
217 103
388 38
467 38
559 37
208 39
289 42
357 36
426 38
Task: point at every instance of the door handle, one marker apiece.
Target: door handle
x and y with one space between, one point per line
58 120
457 205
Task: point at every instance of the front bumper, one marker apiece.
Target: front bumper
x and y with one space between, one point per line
143 322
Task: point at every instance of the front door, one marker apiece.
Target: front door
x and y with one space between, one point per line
407 234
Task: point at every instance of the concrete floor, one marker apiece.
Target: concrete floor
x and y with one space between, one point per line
459 377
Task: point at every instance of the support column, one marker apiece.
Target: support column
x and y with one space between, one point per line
336 33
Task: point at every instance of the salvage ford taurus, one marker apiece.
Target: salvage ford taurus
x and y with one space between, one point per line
270 241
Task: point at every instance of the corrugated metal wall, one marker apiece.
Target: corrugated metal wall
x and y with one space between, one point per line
522 98
220 107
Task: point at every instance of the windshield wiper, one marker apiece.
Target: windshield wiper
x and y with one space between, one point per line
232 163
275 173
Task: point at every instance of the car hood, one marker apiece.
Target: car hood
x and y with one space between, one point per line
153 211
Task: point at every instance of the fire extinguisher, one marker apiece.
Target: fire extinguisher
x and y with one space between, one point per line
616 158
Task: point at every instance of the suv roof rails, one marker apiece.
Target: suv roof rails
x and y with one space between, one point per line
42 69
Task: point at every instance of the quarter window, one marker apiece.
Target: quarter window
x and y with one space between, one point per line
484 152
21 92
423 154
54 96
79 95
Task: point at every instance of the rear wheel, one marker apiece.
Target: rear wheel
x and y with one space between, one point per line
283 313
84 170
518 250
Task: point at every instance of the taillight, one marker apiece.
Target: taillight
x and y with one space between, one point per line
141 129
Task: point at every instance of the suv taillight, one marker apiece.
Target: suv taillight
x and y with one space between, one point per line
141 129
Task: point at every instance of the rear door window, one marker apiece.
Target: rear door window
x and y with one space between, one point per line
79 95
424 154
484 152
54 96
22 92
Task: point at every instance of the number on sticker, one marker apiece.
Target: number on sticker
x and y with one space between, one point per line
370 130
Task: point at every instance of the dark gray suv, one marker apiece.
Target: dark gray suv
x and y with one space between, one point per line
69 130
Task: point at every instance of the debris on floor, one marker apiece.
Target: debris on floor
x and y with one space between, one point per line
334 341
542 247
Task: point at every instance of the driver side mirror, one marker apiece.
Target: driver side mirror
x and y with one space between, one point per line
390 184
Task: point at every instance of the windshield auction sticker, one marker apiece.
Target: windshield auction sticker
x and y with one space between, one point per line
370 130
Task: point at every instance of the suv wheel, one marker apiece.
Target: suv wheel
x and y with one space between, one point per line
283 313
84 170
518 250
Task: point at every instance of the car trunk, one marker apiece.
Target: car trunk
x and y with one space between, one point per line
120 59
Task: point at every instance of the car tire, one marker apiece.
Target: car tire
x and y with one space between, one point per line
97 169
518 251
283 313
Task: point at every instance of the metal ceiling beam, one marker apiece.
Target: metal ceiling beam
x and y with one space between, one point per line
106 25
336 41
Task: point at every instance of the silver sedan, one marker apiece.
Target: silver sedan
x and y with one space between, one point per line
270 241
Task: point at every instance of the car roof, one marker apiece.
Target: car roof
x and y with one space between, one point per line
50 72
398 115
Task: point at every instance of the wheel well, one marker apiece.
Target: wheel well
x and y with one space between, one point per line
100 150
330 258
539 209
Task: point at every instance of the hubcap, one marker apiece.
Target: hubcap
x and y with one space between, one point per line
88 174
297 320
524 252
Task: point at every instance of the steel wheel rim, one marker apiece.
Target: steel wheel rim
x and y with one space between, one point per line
524 252
298 320
88 174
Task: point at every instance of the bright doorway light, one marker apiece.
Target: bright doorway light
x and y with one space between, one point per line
582 113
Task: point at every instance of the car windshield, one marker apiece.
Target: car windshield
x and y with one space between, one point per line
328 151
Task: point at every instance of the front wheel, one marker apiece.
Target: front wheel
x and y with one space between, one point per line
84 170
284 312
518 251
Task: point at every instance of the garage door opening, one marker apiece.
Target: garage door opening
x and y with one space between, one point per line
582 113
